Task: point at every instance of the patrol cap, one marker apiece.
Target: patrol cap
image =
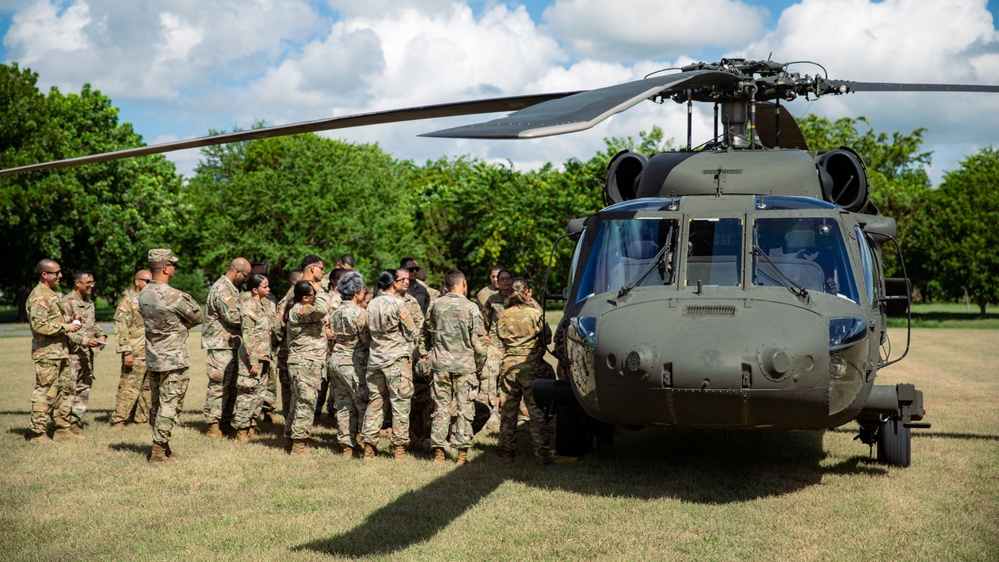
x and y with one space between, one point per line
162 255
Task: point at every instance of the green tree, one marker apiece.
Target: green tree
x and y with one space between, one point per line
955 235
101 217
282 198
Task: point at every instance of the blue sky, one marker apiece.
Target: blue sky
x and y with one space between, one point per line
177 69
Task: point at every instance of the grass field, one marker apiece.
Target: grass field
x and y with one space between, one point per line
657 495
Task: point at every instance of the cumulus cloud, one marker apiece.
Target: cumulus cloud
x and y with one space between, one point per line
641 29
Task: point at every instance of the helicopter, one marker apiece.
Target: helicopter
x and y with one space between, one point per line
739 284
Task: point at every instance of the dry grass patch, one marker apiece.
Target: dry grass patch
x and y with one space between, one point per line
658 494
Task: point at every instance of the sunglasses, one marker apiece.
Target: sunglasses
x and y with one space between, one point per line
143 280
56 272
413 269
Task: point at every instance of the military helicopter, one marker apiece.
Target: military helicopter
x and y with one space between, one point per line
734 285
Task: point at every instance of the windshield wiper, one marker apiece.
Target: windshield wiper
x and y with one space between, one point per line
627 287
784 280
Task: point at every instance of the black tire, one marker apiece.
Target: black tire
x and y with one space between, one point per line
572 436
895 444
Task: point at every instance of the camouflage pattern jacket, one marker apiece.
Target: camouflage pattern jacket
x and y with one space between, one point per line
49 323
351 339
84 308
306 333
392 328
521 330
484 295
457 335
129 331
222 321
167 314
255 332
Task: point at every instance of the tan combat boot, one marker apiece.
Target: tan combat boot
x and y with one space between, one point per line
76 429
242 435
298 448
347 452
400 452
439 454
40 438
508 455
159 453
213 431
369 452
169 453
541 460
64 434
118 425
462 457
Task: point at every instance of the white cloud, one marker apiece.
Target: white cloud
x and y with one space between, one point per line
642 29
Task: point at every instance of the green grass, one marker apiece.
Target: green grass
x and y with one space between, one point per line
949 315
657 494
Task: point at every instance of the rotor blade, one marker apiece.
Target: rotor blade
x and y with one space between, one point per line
585 109
897 87
473 107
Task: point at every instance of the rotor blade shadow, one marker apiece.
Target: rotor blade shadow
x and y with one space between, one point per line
418 515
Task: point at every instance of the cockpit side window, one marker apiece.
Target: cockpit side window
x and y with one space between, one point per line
639 251
810 252
867 263
714 252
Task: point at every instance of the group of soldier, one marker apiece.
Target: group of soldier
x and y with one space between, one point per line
430 368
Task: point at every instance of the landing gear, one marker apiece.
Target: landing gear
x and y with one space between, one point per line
893 439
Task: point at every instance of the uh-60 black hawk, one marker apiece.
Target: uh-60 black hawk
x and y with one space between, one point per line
735 285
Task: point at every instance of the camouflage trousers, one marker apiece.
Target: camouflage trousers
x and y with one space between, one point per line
306 378
453 392
514 385
348 386
250 391
81 364
53 395
269 394
489 385
168 390
395 383
220 399
287 388
133 392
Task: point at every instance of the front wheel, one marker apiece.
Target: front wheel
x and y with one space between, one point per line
895 444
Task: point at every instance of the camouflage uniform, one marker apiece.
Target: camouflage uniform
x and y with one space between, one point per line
422 402
325 393
287 389
167 314
484 295
254 351
269 395
458 352
306 337
220 336
130 337
53 395
81 355
347 363
390 374
522 331
491 372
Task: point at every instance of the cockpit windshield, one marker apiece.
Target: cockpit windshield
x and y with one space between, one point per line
630 252
808 252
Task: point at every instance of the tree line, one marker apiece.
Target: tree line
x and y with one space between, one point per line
278 199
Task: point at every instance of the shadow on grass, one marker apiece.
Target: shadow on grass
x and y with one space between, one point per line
142 450
922 434
24 432
700 466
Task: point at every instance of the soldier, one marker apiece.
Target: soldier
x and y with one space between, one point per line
346 261
167 314
130 339
492 288
348 360
418 298
389 371
220 336
333 298
521 329
84 344
282 349
458 352
306 321
50 324
254 355
490 314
